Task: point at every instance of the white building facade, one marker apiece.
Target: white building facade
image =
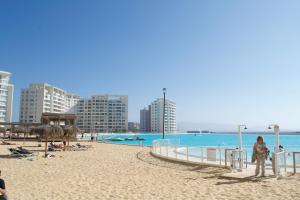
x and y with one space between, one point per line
45 98
6 97
103 114
157 108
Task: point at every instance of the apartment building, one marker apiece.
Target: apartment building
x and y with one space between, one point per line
103 113
157 108
45 98
145 120
6 97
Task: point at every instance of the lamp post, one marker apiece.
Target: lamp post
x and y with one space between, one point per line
276 130
241 144
240 136
164 91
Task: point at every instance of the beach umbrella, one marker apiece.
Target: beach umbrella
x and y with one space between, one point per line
70 132
46 132
19 130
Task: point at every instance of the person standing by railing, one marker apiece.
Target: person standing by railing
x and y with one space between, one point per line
259 155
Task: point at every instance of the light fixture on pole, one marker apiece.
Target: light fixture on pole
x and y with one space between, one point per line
164 108
241 145
240 136
276 130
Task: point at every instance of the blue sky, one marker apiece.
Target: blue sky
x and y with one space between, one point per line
224 62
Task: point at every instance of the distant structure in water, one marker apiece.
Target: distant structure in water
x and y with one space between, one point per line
193 131
200 132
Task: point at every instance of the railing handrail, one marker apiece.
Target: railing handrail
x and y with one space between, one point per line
172 148
222 156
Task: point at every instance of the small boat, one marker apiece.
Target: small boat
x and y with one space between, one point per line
116 139
140 139
135 139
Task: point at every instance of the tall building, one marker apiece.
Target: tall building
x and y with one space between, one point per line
45 98
6 97
145 120
103 113
157 108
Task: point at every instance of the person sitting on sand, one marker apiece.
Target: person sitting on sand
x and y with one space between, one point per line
259 155
3 195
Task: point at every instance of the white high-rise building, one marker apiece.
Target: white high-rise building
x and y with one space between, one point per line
6 97
44 98
103 113
157 108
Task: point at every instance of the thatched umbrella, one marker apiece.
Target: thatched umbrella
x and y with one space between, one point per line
19 130
48 131
70 132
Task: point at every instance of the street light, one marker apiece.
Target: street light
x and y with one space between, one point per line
276 130
241 144
164 91
240 136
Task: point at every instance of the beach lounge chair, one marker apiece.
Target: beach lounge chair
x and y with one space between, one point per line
83 146
23 151
75 148
20 152
54 147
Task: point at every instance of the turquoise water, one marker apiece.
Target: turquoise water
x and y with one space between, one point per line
289 142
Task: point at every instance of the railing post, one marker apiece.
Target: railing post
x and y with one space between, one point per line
167 150
294 162
232 166
284 156
160 148
225 159
175 151
202 155
187 153
220 154
276 165
246 159
240 159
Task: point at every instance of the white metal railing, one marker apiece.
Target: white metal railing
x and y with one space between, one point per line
296 161
239 160
280 164
216 156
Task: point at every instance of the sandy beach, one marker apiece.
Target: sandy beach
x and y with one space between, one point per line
110 171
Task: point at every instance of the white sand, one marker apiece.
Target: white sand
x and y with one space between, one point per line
123 172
